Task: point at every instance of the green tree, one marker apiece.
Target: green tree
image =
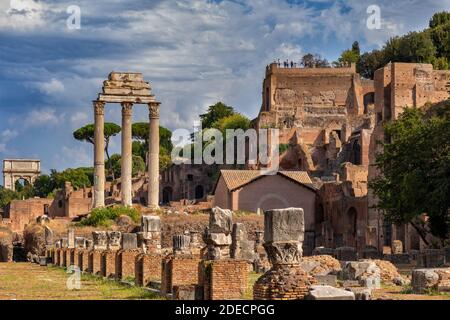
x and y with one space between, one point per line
86 134
369 62
415 171
77 177
138 165
417 47
43 186
6 196
440 18
314 61
215 113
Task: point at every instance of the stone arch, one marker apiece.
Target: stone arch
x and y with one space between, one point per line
369 98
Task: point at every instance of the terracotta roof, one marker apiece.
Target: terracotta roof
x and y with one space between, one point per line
235 179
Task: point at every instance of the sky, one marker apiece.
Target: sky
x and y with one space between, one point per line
193 52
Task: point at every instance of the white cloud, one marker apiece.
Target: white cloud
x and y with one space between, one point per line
8 134
21 14
79 118
51 87
78 156
40 118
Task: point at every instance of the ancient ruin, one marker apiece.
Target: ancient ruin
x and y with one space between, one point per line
127 89
16 169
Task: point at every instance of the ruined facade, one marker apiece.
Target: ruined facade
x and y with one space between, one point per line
399 85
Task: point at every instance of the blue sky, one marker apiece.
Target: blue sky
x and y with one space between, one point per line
193 53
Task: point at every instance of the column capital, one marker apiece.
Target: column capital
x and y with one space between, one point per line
99 107
153 109
127 108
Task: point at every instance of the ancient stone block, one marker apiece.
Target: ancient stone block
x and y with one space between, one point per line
397 247
80 243
100 240
181 244
114 240
361 293
151 224
326 280
187 292
64 243
329 293
282 225
423 280
220 221
129 241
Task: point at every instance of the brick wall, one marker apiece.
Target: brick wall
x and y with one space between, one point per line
109 264
95 259
126 263
177 271
84 260
148 268
225 279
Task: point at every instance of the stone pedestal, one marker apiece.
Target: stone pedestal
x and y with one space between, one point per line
218 235
283 238
181 244
99 154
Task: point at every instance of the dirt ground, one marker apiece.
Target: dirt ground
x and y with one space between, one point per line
26 281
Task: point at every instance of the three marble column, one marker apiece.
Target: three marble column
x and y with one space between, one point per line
127 156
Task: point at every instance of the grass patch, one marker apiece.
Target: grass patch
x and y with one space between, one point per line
252 277
104 217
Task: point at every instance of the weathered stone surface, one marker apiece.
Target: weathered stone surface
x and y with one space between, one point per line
151 224
181 244
365 271
80 242
64 243
114 240
397 247
361 293
129 241
424 279
284 225
329 293
326 280
100 240
71 238
220 221
220 239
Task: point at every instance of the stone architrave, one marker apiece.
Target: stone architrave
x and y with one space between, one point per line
100 240
71 238
114 240
283 236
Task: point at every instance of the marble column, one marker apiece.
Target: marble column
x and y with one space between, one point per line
99 154
153 156
127 157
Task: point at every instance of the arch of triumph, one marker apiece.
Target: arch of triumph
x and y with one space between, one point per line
16 169
127 89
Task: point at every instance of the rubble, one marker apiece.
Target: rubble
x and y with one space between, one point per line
320 265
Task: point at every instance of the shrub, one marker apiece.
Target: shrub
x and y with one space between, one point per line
105 216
